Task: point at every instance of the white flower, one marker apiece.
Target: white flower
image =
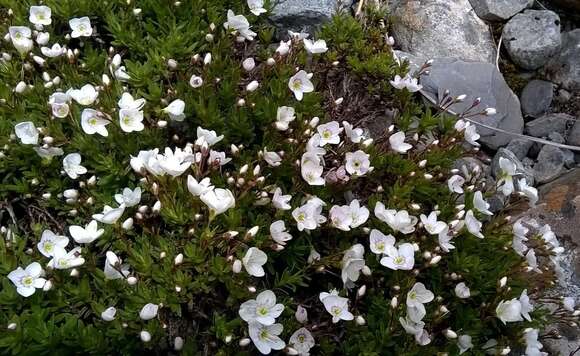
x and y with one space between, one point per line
59 104
218 200
175 110
61 259
355 135
249 64
109 314
315 47
129 197
419 295
217 158
81 27
48 152
20 36
114 267
455 184
256 7
462 291
252 86
471 136
526 306
49 242
398 144
530 192
532 261
72 165
431 224
263 309
412 327
308 216
340 217
272 158
175 163
301 314
198 188
239 24
281 201
253 261
147 161
312 173
379 242
300 83
357 163
329 133
337 307
55 51
207 136
298 35
408 82
480 204
85 96
195 81
265 337
399 221
278 232
444 240
284 48
313 256
313 148
464 343
27 280
149 311
359 214
121 74
508 170
110 215
129 103
85 235
352 263
533 346
40 15
131 120
42 38
509 311
145 336
473 225
93 121
27 133
401 258
302 341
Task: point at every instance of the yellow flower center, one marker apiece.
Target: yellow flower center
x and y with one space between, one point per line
48 246
27 281
301 217
413 295
126 120
263 311
399 260
297 84
327 134
336 311
93 121
264 334
380 246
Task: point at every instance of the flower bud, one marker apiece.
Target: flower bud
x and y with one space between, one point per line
271 61
127 224
301 314
237 266
252 86
156 207
132 281
503 282
360 320
450 334
249 64
291 351
178 259
47 286
11 326
361 291
20 87
145 336
244 342
394 302
366 271
74 272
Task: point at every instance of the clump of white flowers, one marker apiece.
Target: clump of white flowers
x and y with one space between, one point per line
328 223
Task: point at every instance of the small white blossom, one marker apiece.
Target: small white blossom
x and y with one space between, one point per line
266 337
198 188
86 235
61 259
263 309
40 15
462 291
218 200
49 242
337 307
110 215
281 201
84 96
357 163
72 165
240 25
473 225
278 232
302 341
399 258
505 181
380 242
149 311
114 267
254 260
329 133
399 221
175 110
27 280
81 27
300 83
315 47
27 133
256 7
109 314
398 144
480 204
93 121
455 184
431 224
355 135
509 311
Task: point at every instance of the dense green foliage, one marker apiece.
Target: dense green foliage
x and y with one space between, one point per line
67 318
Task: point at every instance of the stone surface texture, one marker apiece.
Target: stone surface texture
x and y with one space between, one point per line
537 97
477 80
307 15
531 38
498 10
442 28
550 165
543 126
564 69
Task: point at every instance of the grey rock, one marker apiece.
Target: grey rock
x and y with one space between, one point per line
556 137
303 15
477 80
564 69
564 96
471 164
574 135
520 147
569 158
442 28
521 170
569 4
550 164
537 97
498 10
532 37
546 124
